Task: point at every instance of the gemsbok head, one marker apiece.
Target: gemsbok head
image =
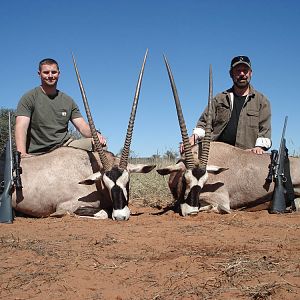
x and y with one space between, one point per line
188 176
115 176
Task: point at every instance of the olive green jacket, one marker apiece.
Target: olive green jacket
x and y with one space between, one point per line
254 125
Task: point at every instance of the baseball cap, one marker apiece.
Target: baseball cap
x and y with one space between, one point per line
241 59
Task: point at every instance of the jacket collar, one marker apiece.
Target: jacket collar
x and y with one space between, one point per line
252 91
230 95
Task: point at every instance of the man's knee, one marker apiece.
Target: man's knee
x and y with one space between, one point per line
84 144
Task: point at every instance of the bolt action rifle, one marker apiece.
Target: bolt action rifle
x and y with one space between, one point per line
279 171
12 178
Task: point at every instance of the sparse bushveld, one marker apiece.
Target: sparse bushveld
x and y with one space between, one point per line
151 190
4 126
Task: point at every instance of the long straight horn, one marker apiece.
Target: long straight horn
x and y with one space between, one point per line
185 138
207 138
125 152
97 144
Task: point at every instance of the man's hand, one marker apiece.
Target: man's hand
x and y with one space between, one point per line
192 140
102 139
256 150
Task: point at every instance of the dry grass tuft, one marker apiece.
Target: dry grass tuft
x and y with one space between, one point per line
262 291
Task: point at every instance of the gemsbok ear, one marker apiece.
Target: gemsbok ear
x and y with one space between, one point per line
215 169
92 179
172 168
140 168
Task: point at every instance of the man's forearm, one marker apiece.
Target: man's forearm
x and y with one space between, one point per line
20 137
82 127
22 124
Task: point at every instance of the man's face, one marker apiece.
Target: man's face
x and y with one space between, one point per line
241 75
49 74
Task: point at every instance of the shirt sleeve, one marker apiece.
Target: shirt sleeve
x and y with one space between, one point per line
75 112
264 136
25 106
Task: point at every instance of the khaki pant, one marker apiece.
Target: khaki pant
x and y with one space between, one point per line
83 143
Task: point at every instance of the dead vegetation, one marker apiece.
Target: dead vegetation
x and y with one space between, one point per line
247 256
142 186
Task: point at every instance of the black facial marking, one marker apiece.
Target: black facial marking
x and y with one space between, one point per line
193 196
118 197
198 172
182 191
114 174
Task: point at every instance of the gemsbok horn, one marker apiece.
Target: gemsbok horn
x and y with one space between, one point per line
185 138
97 144
203 151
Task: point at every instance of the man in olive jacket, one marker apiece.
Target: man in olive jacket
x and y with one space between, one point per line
241 116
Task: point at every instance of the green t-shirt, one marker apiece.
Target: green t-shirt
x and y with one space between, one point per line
49 118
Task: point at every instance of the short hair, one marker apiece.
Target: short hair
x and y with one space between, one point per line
48 61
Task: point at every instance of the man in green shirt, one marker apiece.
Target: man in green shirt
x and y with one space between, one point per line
43 115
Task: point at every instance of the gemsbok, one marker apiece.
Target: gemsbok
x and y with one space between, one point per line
222 177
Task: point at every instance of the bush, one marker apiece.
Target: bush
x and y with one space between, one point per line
4 126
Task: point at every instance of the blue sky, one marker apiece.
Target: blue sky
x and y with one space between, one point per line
109 39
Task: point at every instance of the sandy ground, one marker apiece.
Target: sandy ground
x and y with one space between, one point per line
244 255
